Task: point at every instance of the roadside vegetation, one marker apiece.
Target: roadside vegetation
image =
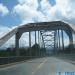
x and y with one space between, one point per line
35 50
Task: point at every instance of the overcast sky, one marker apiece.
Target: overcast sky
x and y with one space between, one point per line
18 12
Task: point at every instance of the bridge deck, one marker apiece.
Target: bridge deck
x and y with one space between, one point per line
42 66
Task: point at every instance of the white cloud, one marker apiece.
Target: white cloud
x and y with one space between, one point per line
41 10
28 14
3 10
66 7
28 11
31 3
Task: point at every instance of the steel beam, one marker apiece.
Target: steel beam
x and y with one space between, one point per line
30 39
54 41
47 35
71 41
38 38
62 39
51 38
35 37
42 40
59 38
48 40
17 37
30 43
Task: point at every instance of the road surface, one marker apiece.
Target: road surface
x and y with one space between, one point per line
40 66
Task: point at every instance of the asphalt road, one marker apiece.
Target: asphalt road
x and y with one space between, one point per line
40 66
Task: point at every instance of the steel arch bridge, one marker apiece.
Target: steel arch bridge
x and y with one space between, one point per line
42 28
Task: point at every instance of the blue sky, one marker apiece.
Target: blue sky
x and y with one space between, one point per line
11 19
18 12
52 2
9 3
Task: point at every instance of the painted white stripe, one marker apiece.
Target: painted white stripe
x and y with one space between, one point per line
39 66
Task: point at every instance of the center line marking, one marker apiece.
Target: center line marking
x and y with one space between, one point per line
39 66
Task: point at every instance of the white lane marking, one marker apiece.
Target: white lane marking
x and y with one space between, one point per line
39 66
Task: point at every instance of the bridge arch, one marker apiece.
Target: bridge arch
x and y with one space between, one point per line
56 25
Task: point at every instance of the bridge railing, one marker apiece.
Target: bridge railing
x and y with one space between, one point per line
7 60
13 59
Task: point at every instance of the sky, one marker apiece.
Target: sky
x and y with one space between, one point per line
18 12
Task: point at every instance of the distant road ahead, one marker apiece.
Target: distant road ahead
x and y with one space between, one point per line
40 66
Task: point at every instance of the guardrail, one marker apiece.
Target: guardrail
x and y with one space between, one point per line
11 59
